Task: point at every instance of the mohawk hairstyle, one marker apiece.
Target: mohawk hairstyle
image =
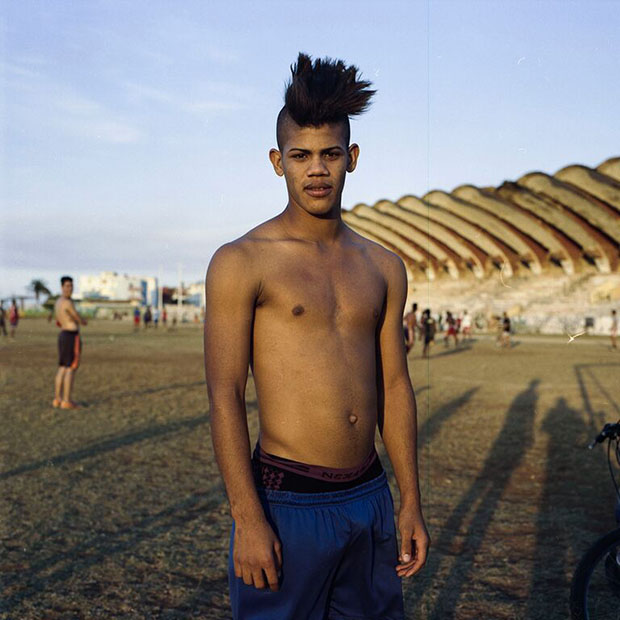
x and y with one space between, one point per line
324 92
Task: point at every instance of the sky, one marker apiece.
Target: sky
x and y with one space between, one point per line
134 134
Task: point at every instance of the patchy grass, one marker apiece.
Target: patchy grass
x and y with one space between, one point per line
117 510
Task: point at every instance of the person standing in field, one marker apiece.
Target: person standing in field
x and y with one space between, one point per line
69 345
3 319
316 311
429 326
452 329
466 326
147 317
505 334
155 317
614 330
410 323
13 318
136 319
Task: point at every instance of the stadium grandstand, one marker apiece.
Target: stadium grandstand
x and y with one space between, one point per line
541 236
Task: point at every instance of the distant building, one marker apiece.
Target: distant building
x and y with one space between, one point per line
112 286
194 294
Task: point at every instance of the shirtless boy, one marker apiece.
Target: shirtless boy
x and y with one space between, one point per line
410 324
316 311
69 345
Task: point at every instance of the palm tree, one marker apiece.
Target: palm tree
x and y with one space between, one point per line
38 287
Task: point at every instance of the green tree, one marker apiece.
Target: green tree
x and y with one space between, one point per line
38 287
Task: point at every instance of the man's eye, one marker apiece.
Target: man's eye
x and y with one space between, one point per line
299 156
332 155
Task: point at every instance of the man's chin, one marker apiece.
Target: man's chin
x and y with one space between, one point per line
326 213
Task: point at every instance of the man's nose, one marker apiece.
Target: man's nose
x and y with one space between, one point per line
317 167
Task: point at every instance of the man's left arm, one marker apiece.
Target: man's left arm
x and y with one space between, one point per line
400 422
74 314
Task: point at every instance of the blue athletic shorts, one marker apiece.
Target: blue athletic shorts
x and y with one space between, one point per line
339 554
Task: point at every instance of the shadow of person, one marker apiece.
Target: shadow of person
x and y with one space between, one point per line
485 493
568 491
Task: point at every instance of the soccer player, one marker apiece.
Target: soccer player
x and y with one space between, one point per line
316 310
69 345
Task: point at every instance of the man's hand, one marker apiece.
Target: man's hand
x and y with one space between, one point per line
257 555
415 541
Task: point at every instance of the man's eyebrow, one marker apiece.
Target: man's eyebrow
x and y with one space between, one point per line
325 150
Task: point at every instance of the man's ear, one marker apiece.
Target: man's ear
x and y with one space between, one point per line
353 154
276 161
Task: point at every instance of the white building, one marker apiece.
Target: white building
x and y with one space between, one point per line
113 286
195 294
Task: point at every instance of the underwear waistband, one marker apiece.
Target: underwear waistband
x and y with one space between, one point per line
335 474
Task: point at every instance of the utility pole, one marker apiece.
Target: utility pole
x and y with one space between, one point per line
160 293
179 296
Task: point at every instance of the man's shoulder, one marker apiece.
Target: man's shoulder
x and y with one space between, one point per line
249 246
379 254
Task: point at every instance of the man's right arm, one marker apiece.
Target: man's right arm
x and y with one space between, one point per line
231 290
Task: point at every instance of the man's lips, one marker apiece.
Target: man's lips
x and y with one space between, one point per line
318 191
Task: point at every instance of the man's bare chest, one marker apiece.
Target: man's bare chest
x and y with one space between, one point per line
323 295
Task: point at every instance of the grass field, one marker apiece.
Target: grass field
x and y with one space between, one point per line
117 510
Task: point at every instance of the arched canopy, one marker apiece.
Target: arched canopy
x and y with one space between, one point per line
402 246
563 220
411 233
440 233
604 187
523 227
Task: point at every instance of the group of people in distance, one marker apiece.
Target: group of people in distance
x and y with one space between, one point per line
426 327
12 316
149 316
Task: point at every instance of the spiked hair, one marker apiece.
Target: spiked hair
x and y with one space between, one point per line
324 92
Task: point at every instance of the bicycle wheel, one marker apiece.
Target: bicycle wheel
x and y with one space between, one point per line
595 591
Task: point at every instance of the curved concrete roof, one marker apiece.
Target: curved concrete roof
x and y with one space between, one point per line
610 168
399 244
560 218
600 216
532 240
604 187
439 253
482 246
488 225
436 231
568 219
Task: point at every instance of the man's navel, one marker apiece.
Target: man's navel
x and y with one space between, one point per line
298 310
353 418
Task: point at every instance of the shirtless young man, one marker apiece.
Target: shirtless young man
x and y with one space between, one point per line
410 323
69 345
316 311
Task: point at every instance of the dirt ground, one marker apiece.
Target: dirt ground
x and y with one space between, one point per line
117 510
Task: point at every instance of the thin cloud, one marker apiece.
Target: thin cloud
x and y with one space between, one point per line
37 99
140 92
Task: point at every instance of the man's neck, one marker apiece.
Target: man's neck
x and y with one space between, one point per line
302 225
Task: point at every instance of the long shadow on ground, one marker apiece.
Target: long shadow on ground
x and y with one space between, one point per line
486 491
431 426
108 445
144 392
560 511
114 443
596 420
94 549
